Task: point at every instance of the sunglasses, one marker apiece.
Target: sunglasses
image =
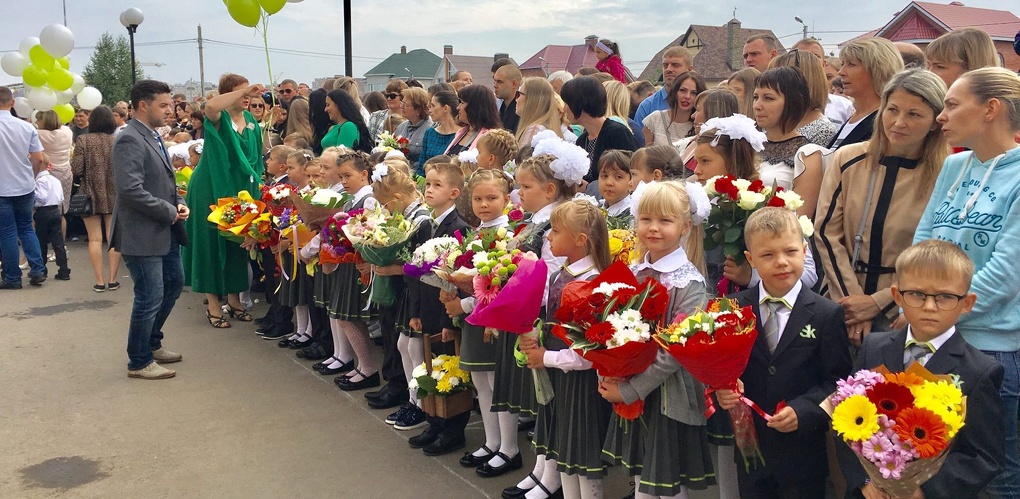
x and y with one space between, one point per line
286 91
392 96
256 106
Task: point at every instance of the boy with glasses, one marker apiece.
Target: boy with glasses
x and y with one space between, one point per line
933 282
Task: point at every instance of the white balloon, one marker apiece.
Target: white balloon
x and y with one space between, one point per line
78 85
295 1
27 45
23 107
65 96
43 99
56 40
13 63
89 98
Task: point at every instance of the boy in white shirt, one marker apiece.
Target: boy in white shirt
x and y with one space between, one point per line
49 201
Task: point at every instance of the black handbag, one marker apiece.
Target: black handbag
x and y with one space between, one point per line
80 205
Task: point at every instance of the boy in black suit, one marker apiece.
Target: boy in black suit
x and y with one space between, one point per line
800 353
932 282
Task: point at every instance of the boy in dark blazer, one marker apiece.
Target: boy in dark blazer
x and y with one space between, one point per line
800 353
932 282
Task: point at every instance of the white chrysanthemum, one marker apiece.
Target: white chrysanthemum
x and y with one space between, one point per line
413 384
437 363
608 288
454 381
806 226
419 370
792 200
437 374
750 200
480 258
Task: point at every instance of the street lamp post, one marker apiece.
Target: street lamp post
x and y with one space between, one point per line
801 21
130 19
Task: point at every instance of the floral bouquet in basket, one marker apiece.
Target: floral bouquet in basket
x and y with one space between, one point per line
335 248
610 322
431 255
446 378
233 216
277 197
714 345
733 201
379 238
899 425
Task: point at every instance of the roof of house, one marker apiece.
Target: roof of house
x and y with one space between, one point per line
420 63
567 58
480 67
712 61
926 21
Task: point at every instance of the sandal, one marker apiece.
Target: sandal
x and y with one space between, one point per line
239 314
217 322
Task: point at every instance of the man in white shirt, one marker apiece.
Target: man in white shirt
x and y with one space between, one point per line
20 155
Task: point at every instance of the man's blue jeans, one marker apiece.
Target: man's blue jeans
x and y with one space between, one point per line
1007 484
158 282
16 223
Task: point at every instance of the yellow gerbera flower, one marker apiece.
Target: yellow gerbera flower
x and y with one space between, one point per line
856 418
938 396
953 420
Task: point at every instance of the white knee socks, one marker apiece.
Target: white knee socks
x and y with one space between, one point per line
579 487
357 334
507 438
342 350
412 354
484 382
726 473
550 479
303 323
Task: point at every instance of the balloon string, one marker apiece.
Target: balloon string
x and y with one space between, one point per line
269 64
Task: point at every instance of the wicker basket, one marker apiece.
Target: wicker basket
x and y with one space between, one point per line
450 406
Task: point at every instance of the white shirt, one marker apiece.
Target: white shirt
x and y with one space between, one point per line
845 131
17 140
48 191
782 313
668 263
935 342
568 359
839 108
620 206
468 304
362 193
440 218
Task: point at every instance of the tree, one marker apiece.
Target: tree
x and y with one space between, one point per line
109 68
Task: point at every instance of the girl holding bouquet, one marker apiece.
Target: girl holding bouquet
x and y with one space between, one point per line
295 292
667 452
579 234
348 306
545 181
490 193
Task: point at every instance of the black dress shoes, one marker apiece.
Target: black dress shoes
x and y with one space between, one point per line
313 352
389 399
443 444
298 345
469 460
488 471
426 437
377 393
352 386
319 365
343 368
515 492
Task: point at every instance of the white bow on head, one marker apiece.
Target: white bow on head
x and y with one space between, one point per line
381 170
736 127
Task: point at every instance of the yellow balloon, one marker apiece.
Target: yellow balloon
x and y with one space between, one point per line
65 112
64 62
60 80
35 76
245 12
40 58
272 6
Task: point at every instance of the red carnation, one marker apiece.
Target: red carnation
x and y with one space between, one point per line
600 333
756 186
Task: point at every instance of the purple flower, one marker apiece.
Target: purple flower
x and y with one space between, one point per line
892 466
858 384
877 447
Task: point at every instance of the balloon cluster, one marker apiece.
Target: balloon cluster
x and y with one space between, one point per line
249 12
43 65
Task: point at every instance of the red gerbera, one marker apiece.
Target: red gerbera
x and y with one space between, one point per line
600 333
923 429
890 398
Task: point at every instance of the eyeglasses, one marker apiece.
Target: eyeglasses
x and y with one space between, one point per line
944 301
256 106
392 96
518 94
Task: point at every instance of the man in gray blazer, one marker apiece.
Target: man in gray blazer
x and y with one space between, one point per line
148 228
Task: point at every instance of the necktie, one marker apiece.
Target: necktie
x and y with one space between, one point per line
162 148
771 323
916 351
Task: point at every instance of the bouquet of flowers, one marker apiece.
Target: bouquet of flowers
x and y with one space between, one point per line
233 216
733 201
622 246
335 248
714 346
433 254
459 268
277 197
515 214
610 322
442 386
389 142
379 238
182 177
899 425
495 269
317 205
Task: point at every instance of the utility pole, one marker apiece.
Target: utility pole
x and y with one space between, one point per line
201 64
348 61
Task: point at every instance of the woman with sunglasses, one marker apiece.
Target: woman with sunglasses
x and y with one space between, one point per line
394 101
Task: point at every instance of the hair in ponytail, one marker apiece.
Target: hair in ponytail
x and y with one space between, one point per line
662 157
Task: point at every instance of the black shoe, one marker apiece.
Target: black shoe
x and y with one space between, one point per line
343 368
398 415
313 352
516 492
489 471
37 280
299 345
265 320
378 393
443 444
63 275
265 329
525 424
426 437
276 333
389 399
9 285
469 460
319 365
369 382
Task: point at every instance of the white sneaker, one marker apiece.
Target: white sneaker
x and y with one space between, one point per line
165 356
23 266
152 371
52 257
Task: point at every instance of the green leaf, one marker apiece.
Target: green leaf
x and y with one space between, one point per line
734 250
733 234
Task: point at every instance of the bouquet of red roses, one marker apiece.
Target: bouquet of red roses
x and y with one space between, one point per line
277 197
714 346
610 322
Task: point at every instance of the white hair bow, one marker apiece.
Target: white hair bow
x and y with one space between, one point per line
381 170
736 127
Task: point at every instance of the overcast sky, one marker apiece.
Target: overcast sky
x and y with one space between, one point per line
473 27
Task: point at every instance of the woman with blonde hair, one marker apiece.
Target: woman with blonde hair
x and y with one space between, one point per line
618 108
868 65
540 108
742 84
866 214
297 119
959 51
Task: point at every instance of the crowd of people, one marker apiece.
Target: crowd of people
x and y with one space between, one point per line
888 146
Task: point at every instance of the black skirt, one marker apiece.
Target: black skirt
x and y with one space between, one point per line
545 420
515 389
348 298
476 354
299 288
321 287
581 418
666 453
720 427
